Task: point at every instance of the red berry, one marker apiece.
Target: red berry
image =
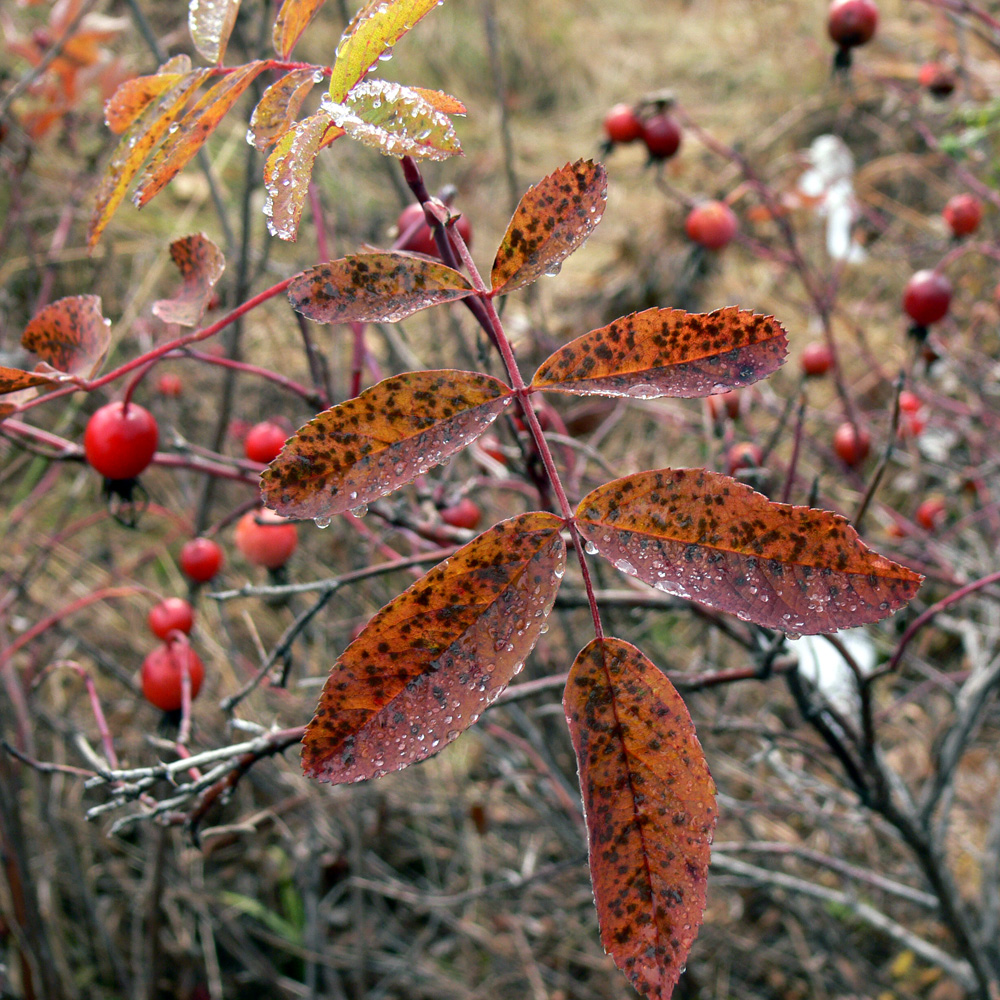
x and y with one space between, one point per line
266 538
927 297
421 239
743 455
169 384
912 424
621 124
490 445
851 444
726 403
817 358
162 673
931 513
937 78
173 613
852 22
464 514
201 559
264 441
909 402
662 136
120 442
963 214
711 224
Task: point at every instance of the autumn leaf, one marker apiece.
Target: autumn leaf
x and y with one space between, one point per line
706 537
370 36
201 264
70 334
375 287
440 101
192 131
431 661
211 23
650 806
16 379
279 106
553 218
668 352
369 446
292 20
133 96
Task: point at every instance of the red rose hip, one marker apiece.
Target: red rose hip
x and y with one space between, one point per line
662 136
266 538
927 297
852 22
120 442
963 213
172 614
201 559
264 442
712 224
851 444
621 124
817 359
163 671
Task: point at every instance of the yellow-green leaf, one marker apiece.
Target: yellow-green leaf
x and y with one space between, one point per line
279 106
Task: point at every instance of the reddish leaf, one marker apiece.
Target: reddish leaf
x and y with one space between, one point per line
668 352
370 36
133 96
293 19
288 171
704 536
201 265
395 120
433 659
16 379
70 334
279 106
136 144
650 806
440 101
553 218
211 23
197 125
369 446
375 287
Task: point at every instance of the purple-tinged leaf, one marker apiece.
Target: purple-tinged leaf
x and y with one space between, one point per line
201 264
279 106
211 23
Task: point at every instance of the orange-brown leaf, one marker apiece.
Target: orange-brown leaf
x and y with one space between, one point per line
201 265
553 218
668 352
192 131
279 106
375 287
650 807
211 23
437 656
440 101
292 20
16 379
136 144
704 536
133 96
70 334
372 444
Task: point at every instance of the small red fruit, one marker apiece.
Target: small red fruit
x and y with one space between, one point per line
850 444
173 613
264 441
963 213
726 403
852 22
464 514
743 455
712 224
421 239
162 673
118 442
909 402
621 124
662 136
201 559
927 297
931 513
266 538
490 445
817 359
937 78
169 384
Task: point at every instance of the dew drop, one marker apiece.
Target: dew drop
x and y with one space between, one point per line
360 510
322 522
590 548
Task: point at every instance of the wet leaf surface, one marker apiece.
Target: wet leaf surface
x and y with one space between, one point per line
370 36
375 287
70 334
211 23
706 537
279 106
292 20
134 96
431 661
668 352
650 807
553 219
201 264
368 446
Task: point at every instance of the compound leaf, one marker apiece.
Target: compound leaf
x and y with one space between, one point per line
133 96
433 659
704 536
292 20
368 446
70 334
668 352
201 264
16 379
650 806
370 36
211 23
375 287
279 106
553 218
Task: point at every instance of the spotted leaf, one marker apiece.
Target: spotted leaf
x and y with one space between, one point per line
201 264
553 218
279 106
650 806
70 334
370 445
375 287
704 536
437 656
211 23
16 379
668 352
292 20
134 96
